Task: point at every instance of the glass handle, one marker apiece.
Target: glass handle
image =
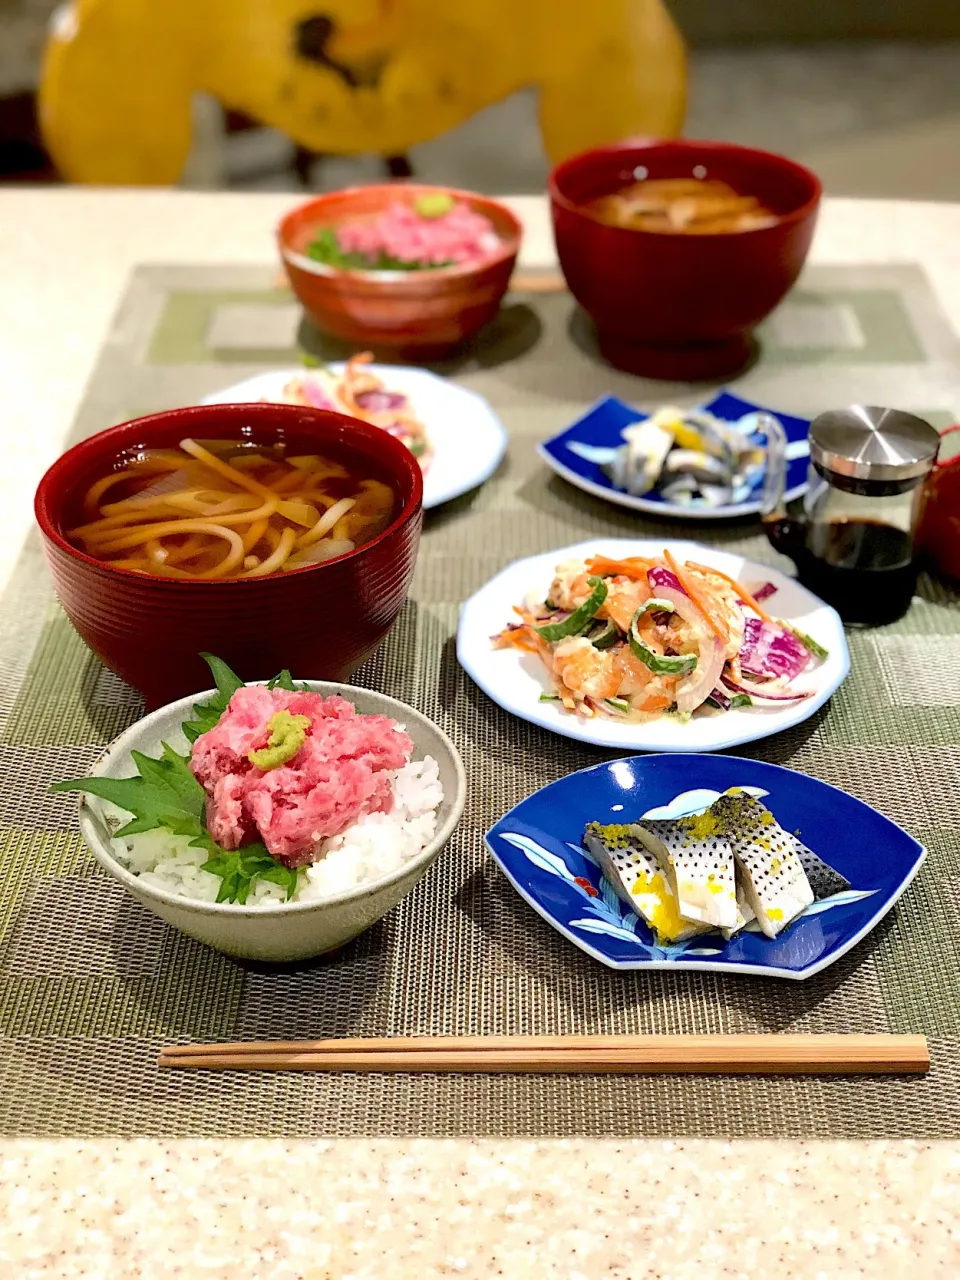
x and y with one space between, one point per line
775 476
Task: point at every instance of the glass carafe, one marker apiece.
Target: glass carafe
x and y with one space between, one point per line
854 543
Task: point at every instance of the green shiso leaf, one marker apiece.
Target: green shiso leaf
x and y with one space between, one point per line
286 682
165 795
325 248
207 714
238 868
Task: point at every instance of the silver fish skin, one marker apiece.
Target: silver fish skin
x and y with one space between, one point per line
638 880
774 882
825 880
700 870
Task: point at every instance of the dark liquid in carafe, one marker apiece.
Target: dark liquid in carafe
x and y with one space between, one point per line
864 568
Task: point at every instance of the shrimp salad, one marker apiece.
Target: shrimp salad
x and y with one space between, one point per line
359 392
637 638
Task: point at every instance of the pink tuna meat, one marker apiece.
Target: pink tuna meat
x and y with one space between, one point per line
462 235
338 775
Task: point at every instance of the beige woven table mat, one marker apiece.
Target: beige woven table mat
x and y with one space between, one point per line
91 984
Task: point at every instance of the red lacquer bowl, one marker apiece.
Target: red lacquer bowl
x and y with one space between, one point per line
939 524
424 314
320 621
680 306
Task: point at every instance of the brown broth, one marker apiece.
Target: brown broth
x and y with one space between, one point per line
682 206
217 509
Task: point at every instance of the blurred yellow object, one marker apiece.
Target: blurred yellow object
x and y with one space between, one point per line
355 76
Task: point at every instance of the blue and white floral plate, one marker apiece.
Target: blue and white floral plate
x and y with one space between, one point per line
537 844
576 454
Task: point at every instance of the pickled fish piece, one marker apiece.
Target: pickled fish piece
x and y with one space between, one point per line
824 880
774 882
745 914
637 464
698 861
638 879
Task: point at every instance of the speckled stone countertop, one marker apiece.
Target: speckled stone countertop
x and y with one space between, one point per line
366 1210
524 1210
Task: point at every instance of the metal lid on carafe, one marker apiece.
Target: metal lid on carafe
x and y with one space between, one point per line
870 445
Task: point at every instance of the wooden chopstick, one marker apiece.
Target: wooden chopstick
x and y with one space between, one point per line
537 282
704 1055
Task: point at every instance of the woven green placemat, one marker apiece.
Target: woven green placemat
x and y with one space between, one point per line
91 984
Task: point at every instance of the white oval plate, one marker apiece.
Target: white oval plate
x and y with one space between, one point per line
467 436
515 680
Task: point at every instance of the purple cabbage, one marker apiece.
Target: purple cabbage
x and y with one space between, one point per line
664 580
381 401
771 652
764 592
315 396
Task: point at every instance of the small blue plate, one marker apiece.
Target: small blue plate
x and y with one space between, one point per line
537 844
576 455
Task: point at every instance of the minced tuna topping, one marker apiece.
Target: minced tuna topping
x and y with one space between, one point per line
339 772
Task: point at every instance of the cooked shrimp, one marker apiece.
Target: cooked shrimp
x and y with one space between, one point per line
624 598
570 587
590 672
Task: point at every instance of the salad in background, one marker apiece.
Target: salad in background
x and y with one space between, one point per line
359 392
638 638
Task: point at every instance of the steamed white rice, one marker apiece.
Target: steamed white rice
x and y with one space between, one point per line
372 847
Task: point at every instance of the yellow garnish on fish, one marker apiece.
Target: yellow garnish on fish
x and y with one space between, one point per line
638 880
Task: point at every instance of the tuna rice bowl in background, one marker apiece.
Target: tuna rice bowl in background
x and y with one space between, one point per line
284 796
433 230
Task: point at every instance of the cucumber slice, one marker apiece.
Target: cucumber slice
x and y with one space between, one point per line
580 619
660 664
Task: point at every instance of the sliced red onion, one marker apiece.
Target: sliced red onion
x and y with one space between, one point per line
721 699
761 693
376 401
695 688
315 396
666 586
771 651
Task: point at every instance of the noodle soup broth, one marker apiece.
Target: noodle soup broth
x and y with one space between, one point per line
212 509
149 622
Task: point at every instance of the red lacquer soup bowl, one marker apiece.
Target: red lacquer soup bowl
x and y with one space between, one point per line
673 305
321 620
424 313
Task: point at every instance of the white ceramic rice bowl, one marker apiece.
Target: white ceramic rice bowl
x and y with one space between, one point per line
285 931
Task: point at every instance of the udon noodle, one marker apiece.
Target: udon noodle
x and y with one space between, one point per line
222 509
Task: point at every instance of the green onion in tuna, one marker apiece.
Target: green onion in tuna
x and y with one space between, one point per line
580 619
660 664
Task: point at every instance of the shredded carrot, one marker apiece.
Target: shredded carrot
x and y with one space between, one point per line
517 640
653 702
635 567
742 592
697 597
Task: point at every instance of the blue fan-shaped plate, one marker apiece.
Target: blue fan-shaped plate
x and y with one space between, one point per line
576 455
537 844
